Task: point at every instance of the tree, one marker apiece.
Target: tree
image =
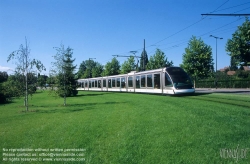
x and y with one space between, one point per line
87 67
10 89
64 72
3 78
51 80
82 69
14 86
25 67
239 46
41 80
112 68
158 60
197 59
143 60
128 65
233 64
97 70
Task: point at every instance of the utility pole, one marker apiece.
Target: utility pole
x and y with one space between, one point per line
216 37
144 56
90 65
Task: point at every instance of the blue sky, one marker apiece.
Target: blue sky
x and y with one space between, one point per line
102 28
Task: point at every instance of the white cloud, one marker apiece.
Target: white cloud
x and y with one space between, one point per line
6 68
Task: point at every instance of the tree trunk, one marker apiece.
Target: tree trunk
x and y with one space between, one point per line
26 92
64 90
26 78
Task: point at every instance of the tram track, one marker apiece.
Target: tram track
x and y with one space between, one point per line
222 100
229 99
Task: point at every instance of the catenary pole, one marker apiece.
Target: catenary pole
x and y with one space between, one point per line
144 56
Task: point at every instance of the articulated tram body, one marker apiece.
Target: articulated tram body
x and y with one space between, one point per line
170 80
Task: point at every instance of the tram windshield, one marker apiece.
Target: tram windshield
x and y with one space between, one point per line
180 78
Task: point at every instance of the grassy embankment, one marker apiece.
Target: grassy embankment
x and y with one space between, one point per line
131 128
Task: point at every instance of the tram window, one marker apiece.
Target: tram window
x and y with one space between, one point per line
95 83
157 81
104 82
130 81
109 83
143 81
138 82
123 83
149 81
175 70
99 83
113 83
168 82
118 82
86 84
89 84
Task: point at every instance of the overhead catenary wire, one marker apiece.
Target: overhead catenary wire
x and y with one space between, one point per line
243 10
174 46
182 29
191 24
182 42
233 7
185 40
185 28
231 14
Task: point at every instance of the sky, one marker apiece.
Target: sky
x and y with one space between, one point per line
102 28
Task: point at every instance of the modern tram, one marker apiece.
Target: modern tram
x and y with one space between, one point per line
168 80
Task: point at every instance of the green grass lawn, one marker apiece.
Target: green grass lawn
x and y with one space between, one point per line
131 128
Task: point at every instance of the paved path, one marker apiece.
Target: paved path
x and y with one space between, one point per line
223 90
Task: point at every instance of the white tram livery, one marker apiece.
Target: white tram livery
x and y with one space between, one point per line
169 80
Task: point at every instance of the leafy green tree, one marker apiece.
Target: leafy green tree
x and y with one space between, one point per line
14 86
3 78
24 67
9 89
87 74
97 70
65 83
51 80
158 60
238 47
41 80
85 69
90 68
82 69
197 59
128 65
233 64
143 60
112 68
32 81
2 95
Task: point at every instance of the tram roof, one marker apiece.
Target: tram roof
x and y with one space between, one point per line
131 73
